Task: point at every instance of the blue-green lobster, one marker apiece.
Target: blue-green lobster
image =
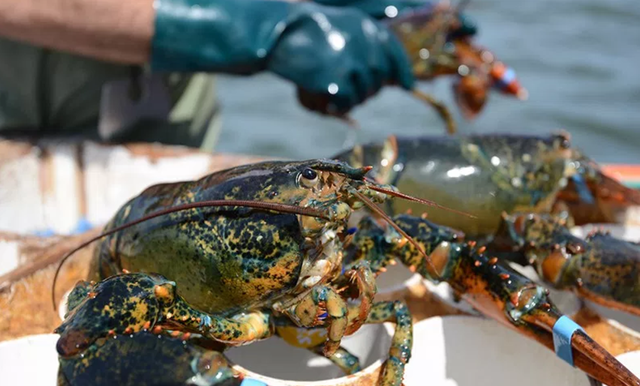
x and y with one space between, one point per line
186 270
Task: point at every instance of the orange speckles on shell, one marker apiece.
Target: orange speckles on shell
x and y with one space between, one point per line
504 276
156 330
493 260
575 248
146 325
161 291
402 242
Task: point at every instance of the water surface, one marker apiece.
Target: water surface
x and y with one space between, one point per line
579 60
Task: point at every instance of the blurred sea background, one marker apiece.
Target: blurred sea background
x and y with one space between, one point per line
579 60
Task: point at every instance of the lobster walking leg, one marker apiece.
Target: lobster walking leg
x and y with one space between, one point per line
399 354
327 303
342 358
363 277
402 341
322 303
440 108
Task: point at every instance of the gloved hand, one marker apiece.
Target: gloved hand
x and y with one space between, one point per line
378 8
389 9
336 56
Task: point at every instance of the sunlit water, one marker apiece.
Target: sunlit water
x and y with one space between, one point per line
579 60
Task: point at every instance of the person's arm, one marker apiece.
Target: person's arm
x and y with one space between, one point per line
338 57
111 30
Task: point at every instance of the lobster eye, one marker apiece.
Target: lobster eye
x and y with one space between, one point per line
309 178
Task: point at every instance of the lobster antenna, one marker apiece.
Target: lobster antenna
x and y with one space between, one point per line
282 208
418 200
371 205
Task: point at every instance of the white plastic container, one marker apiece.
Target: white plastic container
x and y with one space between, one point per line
473 351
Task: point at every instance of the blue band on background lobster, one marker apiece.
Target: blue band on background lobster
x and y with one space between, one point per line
563 331
252 382
507 77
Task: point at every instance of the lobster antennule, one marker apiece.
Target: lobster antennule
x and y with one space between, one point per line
282 208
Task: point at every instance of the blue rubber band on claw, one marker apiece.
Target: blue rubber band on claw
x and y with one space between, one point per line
252 382
563 331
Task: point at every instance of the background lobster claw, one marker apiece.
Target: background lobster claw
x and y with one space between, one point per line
594 197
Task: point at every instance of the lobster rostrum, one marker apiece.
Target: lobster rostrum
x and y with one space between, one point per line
526 192
253 251
439 41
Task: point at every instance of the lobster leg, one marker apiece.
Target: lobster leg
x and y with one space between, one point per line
364 289
325 302
440 107
402 342
322 303
496 290
381 312
342 358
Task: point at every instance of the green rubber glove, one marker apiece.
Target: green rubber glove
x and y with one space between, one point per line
388 9
336 56
380 9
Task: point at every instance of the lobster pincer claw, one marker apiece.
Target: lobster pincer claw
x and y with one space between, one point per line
600 268
594 197
501 293
608 272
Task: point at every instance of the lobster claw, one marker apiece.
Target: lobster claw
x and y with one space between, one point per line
608 272
471 93
594 197
601 268
501 293
504 79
